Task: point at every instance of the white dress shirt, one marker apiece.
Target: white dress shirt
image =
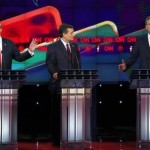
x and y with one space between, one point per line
65 44
149 39
0 43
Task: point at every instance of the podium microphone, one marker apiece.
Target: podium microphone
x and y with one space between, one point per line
77 61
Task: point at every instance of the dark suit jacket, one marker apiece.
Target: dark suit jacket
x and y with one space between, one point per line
56 60
57 57
9 52
141 51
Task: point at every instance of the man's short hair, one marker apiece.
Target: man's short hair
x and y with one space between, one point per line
63 28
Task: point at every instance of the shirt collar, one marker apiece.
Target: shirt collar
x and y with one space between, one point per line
64 42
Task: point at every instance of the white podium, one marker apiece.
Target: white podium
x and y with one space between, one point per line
140 80
10 81
76 105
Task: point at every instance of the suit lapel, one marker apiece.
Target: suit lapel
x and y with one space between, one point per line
63 49
4 44
146 42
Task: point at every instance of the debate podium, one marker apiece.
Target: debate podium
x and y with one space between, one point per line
76 105
10 81
140 80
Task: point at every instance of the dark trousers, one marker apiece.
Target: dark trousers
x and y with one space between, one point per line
55 112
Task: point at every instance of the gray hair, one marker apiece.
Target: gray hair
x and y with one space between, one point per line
147 18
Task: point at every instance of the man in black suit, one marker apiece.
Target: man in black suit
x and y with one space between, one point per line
58 57
140 50
9 51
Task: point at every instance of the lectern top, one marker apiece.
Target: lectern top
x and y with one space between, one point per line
12 74
11 78
140 78
79 78
79 74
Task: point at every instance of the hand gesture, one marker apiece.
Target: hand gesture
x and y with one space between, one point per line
122 66
55 76
33 45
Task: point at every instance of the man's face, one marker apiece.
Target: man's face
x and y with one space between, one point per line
147 26
69 35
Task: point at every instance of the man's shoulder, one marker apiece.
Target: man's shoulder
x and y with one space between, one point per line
54 46
143 37
7 40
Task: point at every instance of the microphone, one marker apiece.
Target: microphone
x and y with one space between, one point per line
75 56
77 61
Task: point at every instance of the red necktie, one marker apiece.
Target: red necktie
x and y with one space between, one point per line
68 51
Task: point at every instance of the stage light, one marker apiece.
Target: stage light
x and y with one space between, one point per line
120 102
120 85
100 102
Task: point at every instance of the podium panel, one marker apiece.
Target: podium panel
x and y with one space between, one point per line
76 105
8 115
76 110
10 81
140 79
143 95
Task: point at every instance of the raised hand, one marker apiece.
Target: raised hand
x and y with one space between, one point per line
122 66
33 45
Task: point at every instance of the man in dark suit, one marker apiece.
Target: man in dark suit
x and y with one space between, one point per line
59 56
9 51
141 51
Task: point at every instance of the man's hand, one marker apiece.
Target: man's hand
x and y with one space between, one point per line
55 76
33 45
122 66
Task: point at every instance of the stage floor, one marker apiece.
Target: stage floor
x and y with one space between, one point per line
132 145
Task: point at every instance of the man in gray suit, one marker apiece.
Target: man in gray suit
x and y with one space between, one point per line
140 50
59 56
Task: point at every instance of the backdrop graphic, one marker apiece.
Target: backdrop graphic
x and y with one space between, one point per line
105 32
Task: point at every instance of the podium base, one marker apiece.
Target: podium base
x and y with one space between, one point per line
9 146
85 145
143 144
